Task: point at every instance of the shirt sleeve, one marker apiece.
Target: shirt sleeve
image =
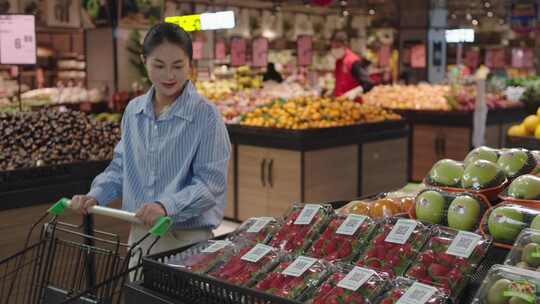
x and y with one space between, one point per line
108 185
361 76
208 184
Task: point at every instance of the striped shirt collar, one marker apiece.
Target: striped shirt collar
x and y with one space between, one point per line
183 106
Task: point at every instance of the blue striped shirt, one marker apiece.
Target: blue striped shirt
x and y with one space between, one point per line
178 159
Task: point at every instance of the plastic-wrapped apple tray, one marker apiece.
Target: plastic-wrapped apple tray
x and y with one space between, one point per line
492 194
187 287
529 212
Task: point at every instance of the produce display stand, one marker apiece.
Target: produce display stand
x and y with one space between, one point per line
86 107
527 142
270 168
441 134
166 285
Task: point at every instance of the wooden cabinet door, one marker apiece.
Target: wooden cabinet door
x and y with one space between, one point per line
384 165
230 203
252 191
504 133
424 150
492 138
284 180
456 142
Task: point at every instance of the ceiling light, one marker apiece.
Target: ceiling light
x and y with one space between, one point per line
475 22
372 12
469 17
487 5
345 13
490 14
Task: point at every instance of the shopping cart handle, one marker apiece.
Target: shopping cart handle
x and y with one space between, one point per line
160 227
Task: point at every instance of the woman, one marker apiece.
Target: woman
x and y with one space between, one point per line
173 154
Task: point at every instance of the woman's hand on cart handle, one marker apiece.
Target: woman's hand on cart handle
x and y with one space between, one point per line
81 203
149 213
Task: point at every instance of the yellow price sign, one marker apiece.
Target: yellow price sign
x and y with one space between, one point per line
189 23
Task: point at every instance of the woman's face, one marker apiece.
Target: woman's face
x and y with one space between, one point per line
168 68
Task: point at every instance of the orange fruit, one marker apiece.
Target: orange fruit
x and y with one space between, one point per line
360 207
406 203
383 208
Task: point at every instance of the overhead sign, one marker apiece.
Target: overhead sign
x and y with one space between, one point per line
204 22
18 39
459 35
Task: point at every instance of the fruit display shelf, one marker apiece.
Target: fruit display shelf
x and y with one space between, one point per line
448 134
527 142
163 284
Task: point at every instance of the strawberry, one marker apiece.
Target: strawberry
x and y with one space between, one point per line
401 285
438 270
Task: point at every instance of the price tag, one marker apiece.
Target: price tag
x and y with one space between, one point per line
351 224
401 232
18 39
238 51
299 266
198 50
495 58
220 50
418 56
463 244
256 253
260 52
307 214
259 224
418 293
305 50
356 278
216 246
522 58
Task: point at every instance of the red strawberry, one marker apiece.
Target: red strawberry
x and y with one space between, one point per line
427 257
345 250
438 270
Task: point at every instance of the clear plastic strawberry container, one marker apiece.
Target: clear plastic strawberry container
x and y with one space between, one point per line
247 266
299 285
303 224
345 237
448 259
407 291
257 229
526 251
509 285
395 246
359 287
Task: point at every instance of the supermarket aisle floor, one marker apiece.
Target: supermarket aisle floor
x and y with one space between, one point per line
226 227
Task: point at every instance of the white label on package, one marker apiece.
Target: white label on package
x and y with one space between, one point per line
308 213
299 266
351 224
216 246
259 224
463 244
401 232
256 253
418 293
356 278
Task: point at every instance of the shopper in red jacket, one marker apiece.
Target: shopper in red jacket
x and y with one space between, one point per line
350 72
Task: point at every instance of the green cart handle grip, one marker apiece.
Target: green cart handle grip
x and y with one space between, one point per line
160 227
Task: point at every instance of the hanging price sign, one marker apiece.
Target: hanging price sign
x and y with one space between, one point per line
260 52
305 50
238 51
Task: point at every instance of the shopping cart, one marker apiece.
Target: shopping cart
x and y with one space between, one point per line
66 265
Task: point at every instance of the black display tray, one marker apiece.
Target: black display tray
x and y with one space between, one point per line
185 287
320 138
527 142
461 118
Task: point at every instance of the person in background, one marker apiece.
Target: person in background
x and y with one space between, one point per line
272 74
350 73
173 153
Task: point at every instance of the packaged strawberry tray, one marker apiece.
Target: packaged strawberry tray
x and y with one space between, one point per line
350 284
407 291
256 229
344 238
295 278
395 246
246 267
204 256
303 224
448 259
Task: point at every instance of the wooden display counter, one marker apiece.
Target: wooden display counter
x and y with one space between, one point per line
437 134
273 168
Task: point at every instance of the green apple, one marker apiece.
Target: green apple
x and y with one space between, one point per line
516 162
531 254
496 292
523 265
446 172
535 224
482 174
484 153
463 213
525 187
517 300
505 223
430 206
